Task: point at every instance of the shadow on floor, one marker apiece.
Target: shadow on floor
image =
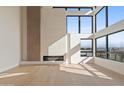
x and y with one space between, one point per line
61 75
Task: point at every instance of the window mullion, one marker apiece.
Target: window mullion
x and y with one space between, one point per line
79 24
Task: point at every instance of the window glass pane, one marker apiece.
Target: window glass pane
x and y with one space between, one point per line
72 25
85 9
86 48
72 9
116 46
101 19
115 14
101 47
86 25
86 44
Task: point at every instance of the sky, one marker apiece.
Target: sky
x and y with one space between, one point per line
73 24
100 20
101 42
86 43
115 14
86 24
114 40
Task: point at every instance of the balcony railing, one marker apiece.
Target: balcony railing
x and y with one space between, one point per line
117 56
102 54
87 53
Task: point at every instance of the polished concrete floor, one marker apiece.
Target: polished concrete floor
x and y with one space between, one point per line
61 75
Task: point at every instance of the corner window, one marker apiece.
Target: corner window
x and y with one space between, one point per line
111 47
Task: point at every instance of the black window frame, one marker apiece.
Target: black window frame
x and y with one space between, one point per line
59 8
106 17
91 25
107 39
107 43
79 28
75 7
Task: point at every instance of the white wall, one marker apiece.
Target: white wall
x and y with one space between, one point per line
9 37
53 32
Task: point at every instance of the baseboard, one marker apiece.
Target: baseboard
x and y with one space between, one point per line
8 68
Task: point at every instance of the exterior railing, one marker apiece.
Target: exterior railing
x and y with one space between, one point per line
117 56
87 53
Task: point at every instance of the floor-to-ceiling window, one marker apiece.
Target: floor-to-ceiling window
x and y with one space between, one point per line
110 46
116 46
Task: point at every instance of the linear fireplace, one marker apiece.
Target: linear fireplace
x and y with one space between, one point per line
53 58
